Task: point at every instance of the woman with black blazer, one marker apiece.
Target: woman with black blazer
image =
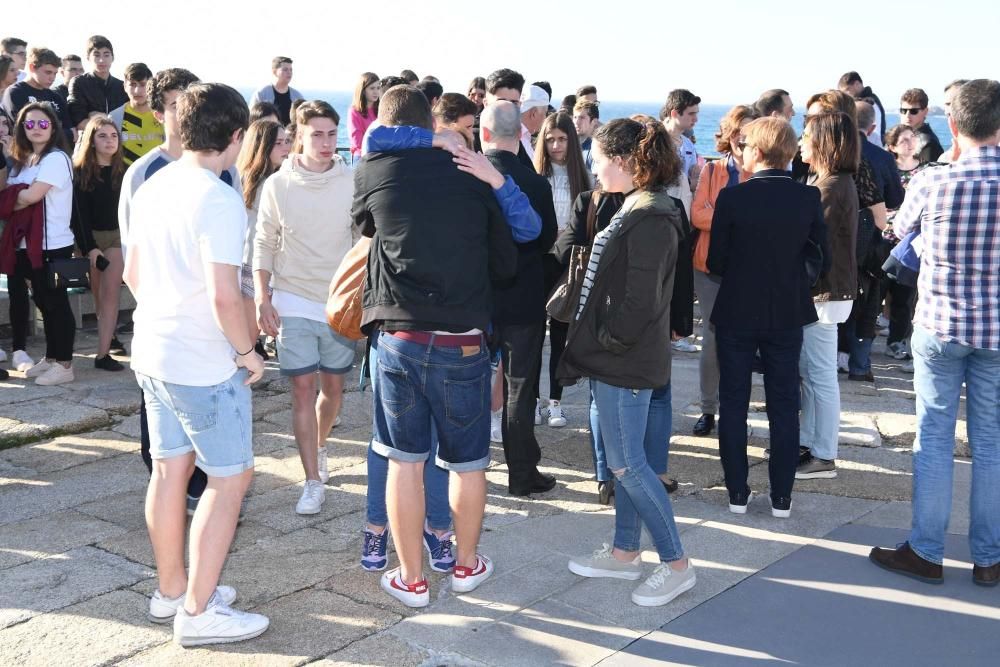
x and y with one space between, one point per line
762 231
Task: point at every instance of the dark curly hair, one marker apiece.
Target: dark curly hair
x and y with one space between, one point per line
646 148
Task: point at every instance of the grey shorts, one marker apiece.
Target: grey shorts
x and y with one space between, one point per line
306 346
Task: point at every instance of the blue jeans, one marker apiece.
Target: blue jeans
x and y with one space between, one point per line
627 431
819 427
860 349
658 432
435 481
940 368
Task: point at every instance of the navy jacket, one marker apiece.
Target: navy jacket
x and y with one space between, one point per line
885 172
760 231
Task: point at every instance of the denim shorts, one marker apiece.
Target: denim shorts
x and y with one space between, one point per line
306 346
214 422
417 385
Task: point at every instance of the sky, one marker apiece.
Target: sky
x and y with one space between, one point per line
726 51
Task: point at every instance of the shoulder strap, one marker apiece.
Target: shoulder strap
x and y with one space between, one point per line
595 197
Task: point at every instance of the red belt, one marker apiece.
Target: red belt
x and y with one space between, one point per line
439 340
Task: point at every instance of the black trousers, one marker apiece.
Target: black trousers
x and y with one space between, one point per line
520 350
558 331
53 304
198 481
900 310
779 352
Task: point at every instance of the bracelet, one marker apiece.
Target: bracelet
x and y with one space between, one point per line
243 354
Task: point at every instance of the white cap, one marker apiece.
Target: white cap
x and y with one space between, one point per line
536 97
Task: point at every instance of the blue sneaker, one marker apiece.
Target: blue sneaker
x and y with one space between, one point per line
373 556
439 553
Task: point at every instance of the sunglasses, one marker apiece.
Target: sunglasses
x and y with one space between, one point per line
911 112
42 124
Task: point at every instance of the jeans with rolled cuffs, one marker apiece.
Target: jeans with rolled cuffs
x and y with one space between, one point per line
435 479
628 427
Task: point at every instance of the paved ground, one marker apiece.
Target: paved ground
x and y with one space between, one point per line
76 565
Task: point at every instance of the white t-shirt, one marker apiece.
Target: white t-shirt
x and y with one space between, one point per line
55 170
292 305
181 220
833 312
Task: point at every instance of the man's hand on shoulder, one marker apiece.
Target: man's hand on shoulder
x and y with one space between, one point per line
449 140
479 166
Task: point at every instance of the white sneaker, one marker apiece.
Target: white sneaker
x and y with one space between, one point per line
602 563
37 369
21 361
496 426
56 374
412 595
336 422
218 624
664 585
684 345
313 497
324 464
842 360
465 579
556 419
538 413
907 366
163 609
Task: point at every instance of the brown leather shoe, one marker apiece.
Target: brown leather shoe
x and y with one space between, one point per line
903 561
986 576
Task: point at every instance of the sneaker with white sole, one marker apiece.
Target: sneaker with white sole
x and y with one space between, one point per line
163 609
313 497
412 595
602 563
664 585
556 419
907 366
56 374
440 556
814 468
538 413
323 463
21 361
373 550
781 508
842 362
898 350
496 426
37 369
739 502
466 579
684 345
218 624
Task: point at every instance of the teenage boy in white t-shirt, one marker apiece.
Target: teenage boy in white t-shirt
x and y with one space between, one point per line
195 362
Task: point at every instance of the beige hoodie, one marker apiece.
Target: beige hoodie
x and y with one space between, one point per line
304 227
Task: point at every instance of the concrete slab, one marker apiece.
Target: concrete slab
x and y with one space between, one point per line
33 420
53 583
68 451
380 649
51 535
886 616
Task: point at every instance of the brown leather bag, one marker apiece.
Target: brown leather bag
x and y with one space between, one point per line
343 306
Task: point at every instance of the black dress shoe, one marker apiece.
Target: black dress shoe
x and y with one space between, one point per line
117 346
670 484
605 490
903 560
704 425
986 576
540 483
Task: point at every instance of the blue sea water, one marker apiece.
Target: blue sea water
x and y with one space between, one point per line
708 119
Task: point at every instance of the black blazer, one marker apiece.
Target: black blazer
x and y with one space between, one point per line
760 230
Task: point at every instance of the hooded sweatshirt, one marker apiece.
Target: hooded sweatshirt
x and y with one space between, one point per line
304 227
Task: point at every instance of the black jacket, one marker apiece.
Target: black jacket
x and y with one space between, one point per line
760 230
884 170
523 302
438 238
89 93
575 232
930 148
622 337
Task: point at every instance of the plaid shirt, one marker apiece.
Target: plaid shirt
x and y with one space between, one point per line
956 207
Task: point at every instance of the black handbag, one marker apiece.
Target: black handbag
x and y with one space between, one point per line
68 272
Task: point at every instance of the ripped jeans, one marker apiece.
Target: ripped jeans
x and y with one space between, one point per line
641 498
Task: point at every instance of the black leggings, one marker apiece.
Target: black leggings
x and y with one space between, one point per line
53 304
557 343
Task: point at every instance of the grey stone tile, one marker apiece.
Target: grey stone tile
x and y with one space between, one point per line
68 451
125 509
50 535
379 649
99 631
35 419
53 583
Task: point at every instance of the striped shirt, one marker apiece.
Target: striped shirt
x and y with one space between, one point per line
956 208
600 241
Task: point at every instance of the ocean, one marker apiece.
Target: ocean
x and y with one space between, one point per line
704 131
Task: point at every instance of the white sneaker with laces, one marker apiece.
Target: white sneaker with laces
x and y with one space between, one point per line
684 345
602 563
496 426
21 361
37 369
218 624
556 419
56 374
324 464
313 497
466 579
664 585
163 609
538 413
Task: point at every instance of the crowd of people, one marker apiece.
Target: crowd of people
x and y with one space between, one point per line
477 212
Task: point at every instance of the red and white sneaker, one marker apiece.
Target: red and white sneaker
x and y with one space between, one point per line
465 579
412 595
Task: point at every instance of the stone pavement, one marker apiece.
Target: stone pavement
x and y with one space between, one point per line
76 566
